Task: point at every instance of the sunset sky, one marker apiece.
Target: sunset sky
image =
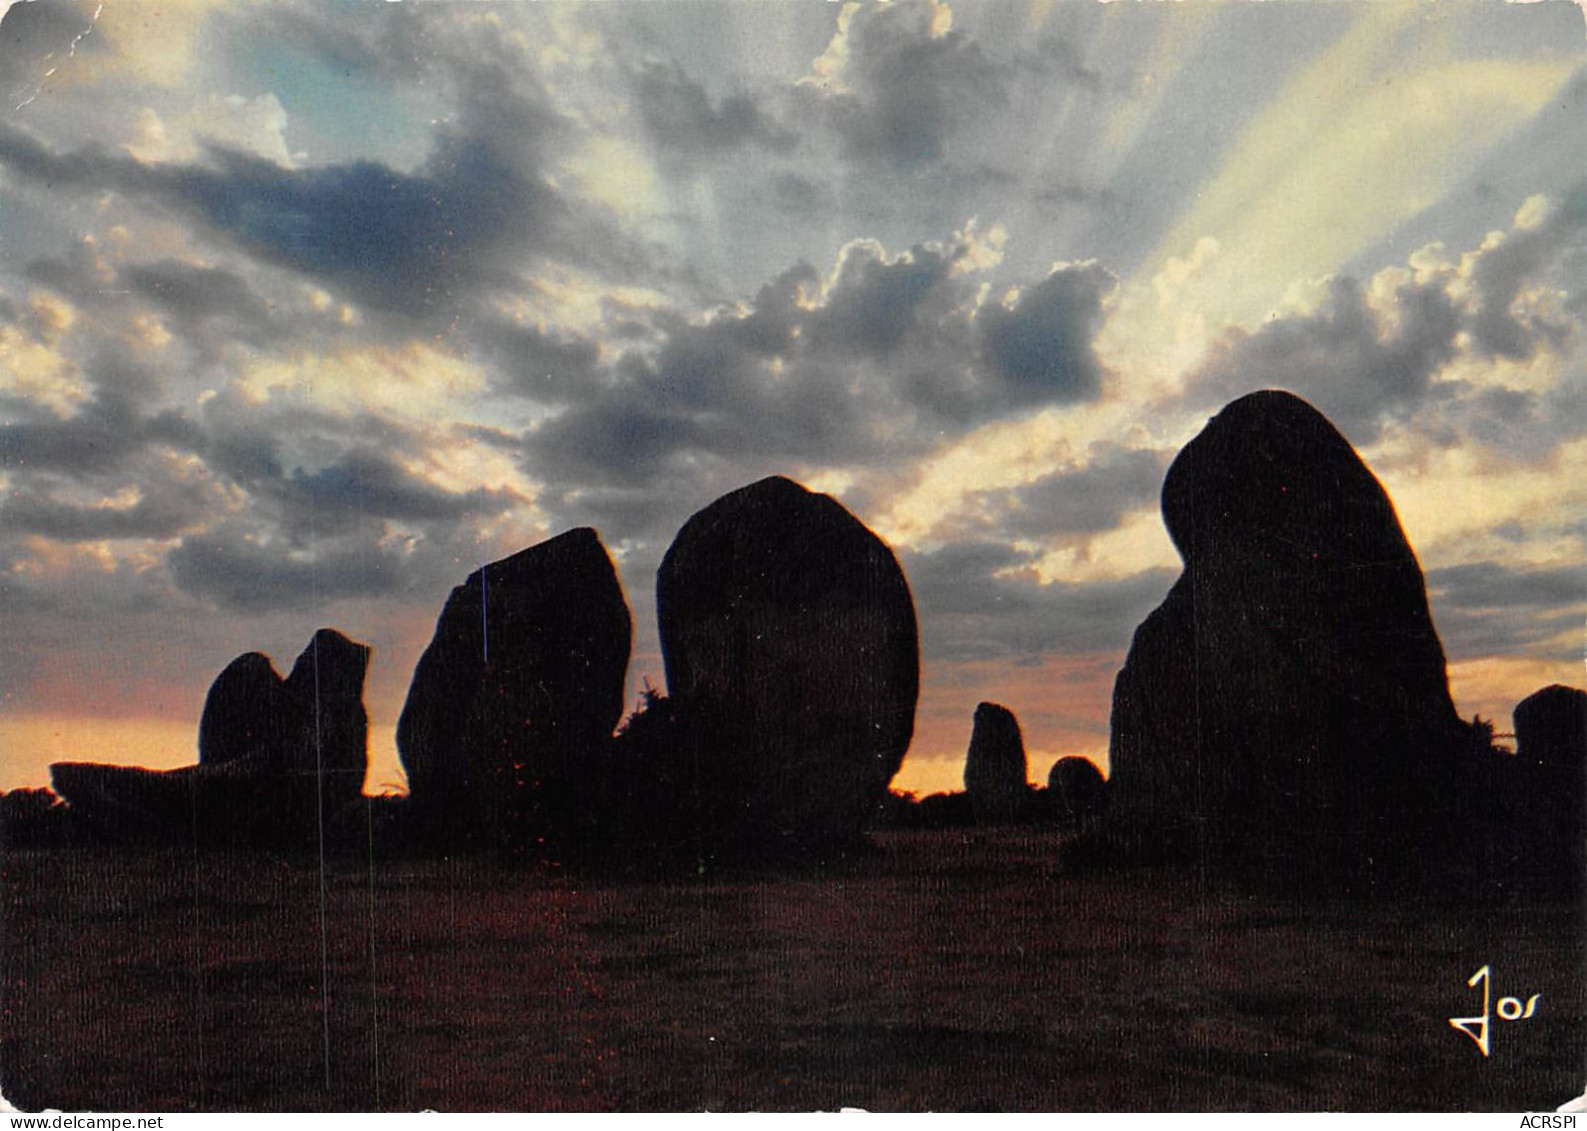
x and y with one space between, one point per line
307 310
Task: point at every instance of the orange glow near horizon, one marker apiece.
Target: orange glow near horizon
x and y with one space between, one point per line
1062 706
30 743
1492 686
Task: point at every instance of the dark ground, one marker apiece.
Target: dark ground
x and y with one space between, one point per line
953 970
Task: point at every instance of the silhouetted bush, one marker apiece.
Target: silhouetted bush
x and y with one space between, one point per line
35 818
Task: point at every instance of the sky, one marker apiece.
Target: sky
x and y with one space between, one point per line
307 310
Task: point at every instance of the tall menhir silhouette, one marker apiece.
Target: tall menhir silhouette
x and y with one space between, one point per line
509 718
1286 706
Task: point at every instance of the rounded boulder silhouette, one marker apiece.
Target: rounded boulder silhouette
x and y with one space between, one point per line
792 658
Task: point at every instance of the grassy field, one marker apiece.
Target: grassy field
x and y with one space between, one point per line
963 970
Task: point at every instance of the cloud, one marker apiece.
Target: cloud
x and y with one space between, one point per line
269 491
469 219
537 364
393 240
184 318
192 294
397 43
684 124
63 593
236 573
35 39
1079 500
309 474
983 601
1419 343
1490 609
1061 57
1358 368
1041 344
252 125
156 510
872 301
1490 585
100 437
799 196
880 361
1505 323
1523 425
364 485
897 82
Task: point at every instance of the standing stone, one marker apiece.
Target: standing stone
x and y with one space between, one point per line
313 721
326 687
279 760
789 639
513 703
1551 728
995 766
1287 704
247 712
1551 763
1076 789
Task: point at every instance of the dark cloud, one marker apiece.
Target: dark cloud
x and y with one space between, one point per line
163 511
408 243
1092 499
1490 585
874 302
623 439
907 90
983 601
193 295
330 513
100 437
1060 57
1042 345
1356 367
798 196
95 439
308 496
537 364
685 124
395 240
311 475
70 601
364 484
1521 425
1501 328
1364 364
208 311
237 573
882 361
1074 194
1489 609
468 219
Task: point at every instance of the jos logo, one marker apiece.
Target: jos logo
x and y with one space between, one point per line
1508 1009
